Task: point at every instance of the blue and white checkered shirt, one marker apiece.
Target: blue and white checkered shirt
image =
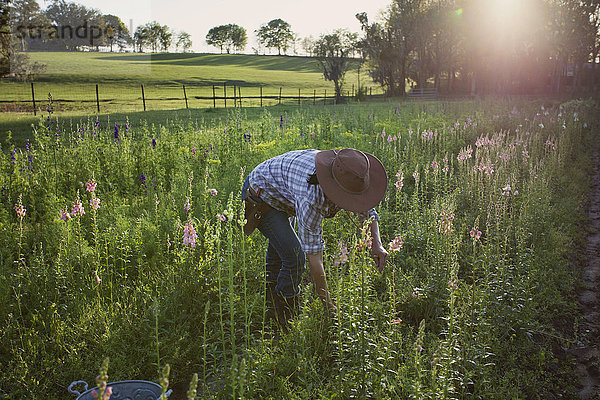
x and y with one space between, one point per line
283 184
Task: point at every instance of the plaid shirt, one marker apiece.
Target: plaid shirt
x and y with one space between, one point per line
283 184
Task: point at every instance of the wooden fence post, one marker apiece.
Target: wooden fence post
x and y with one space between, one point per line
314 97
33 99
240 95
371 92
279 94
225 94
214 98
185 95
143 97
234 96
325 97
298 96
97 99
261 103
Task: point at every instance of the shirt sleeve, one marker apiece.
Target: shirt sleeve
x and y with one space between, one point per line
310 231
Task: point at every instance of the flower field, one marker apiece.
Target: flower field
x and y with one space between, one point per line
123 242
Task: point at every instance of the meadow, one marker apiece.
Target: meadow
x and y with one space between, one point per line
71 79
122 241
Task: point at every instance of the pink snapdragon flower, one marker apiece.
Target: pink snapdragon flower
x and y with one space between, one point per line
189 234
342 255
90 185
20 208
475 233
64 214
77 210
95 203
213 192
396 244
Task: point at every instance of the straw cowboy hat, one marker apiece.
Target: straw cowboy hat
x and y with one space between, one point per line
353 180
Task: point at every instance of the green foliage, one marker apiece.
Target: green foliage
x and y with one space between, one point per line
484 205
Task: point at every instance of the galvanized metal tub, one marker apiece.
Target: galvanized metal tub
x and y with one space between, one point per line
123 390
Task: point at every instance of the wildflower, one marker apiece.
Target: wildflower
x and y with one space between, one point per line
475 233
90 185
248 136
143 179
396 244
435 167
189 234
416 175
342 255
193 150
395 137
77 210
212 192
418 346
396 321
98 280
389 139
465 154
116 132
187 206
445 222
551 144
452 285
20 209
400 182
95 203
313 135
153 143
506 190
64 214
383 134
366 242
221 217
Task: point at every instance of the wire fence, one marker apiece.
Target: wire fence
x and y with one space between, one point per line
128 96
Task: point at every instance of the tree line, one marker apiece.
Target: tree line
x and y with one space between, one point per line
68 26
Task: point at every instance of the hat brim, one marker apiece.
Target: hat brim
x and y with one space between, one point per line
348 201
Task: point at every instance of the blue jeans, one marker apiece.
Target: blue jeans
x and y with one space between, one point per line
285 258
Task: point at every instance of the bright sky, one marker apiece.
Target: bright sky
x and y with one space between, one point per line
307 17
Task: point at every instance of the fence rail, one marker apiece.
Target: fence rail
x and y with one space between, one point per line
35 96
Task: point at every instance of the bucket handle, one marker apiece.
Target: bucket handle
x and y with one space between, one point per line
75 392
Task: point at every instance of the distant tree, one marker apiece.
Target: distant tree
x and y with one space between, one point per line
165 37
276 34
308 44
116 32
184 40
228 37
5 38
332 52
141 38
73 26
27 20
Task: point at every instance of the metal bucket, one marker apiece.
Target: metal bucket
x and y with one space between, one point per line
123 390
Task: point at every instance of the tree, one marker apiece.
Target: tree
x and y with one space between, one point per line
184 40
74 26
116 32
308 44
229 36
275 34
332 53
389 45
141 38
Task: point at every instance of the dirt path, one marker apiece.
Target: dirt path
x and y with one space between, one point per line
588 354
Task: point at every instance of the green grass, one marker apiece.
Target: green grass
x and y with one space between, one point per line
72 79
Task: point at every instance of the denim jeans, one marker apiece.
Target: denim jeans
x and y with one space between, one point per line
285 257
